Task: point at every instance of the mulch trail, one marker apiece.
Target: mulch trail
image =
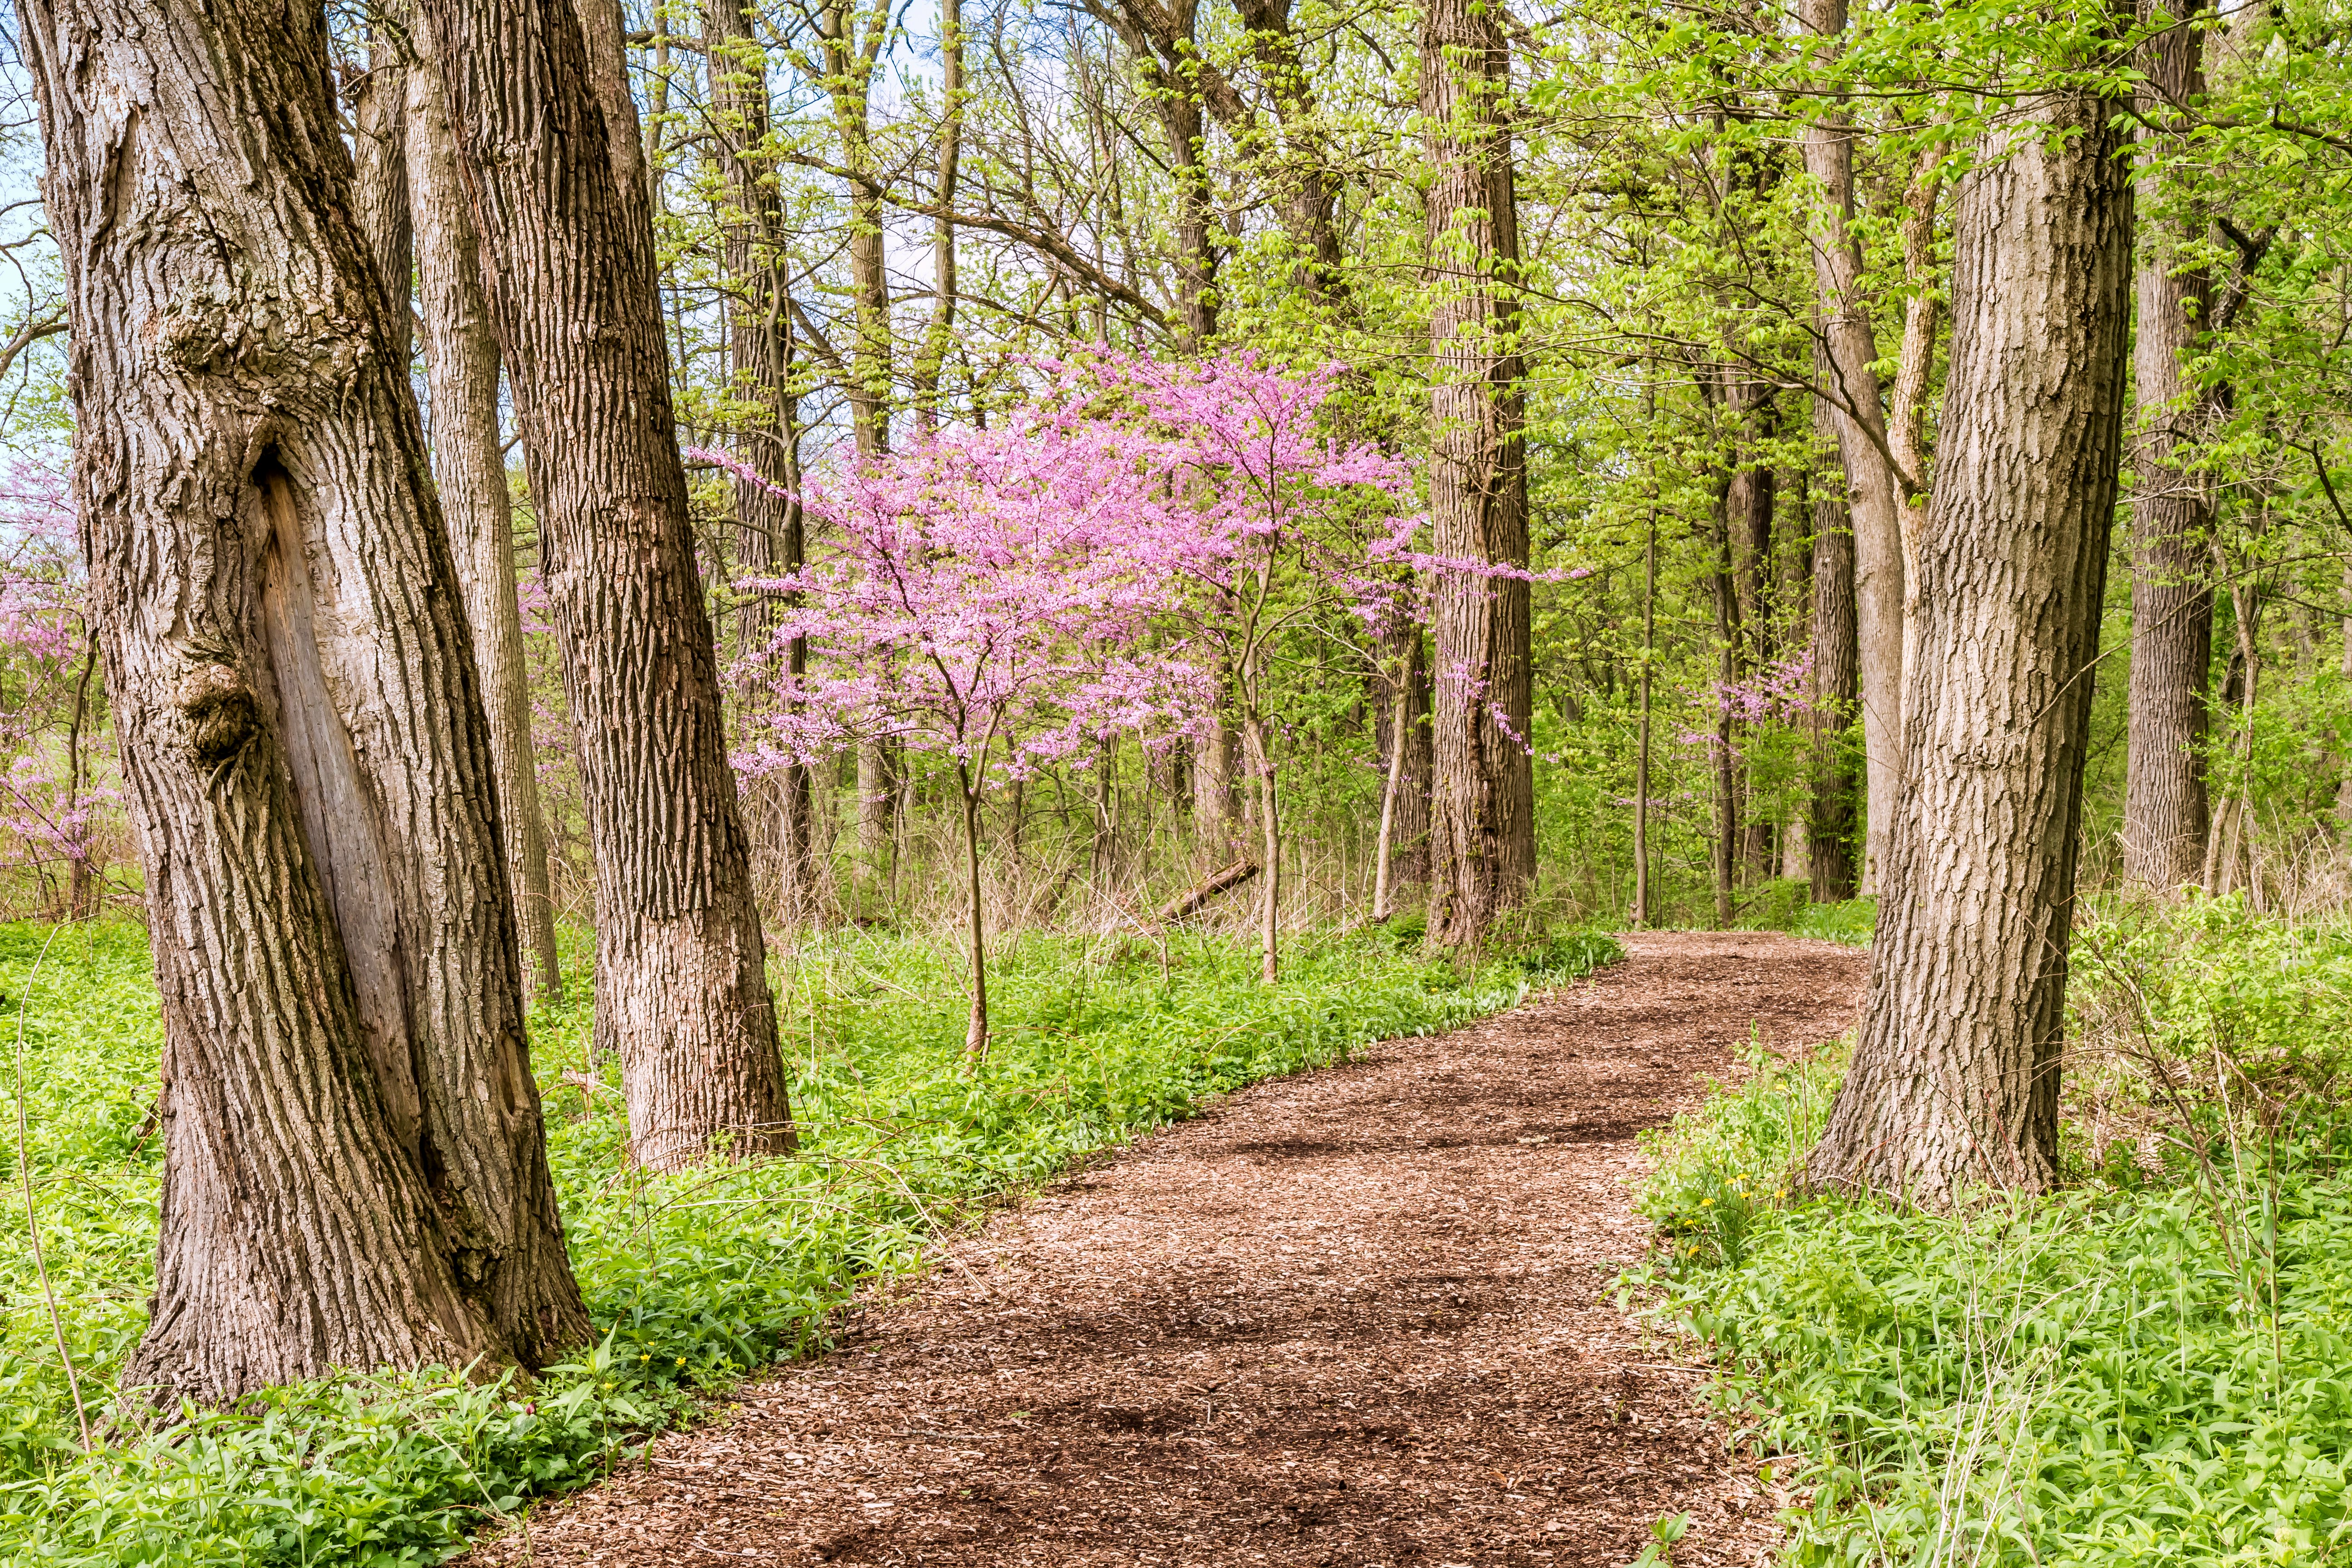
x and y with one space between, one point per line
1359 1316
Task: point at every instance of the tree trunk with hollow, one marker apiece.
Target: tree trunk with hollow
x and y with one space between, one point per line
2172 514
682 996
1483 851
1955 1082
355 1168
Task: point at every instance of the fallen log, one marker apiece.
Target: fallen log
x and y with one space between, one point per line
1216 882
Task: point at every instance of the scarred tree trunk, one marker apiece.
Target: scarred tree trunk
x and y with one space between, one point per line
1873 489
682 994
1955 1082
1483 847
469 467
354 1173
2172 513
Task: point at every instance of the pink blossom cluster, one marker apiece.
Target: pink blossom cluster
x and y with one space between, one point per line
1010 597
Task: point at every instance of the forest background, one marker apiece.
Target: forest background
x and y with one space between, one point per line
872 227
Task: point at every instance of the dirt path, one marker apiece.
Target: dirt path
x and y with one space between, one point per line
1354 1317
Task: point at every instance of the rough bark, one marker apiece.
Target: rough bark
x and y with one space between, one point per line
757 297
1835 688
604 35
682 994
379 158
354 1169
470 471
2172 513
1873 487
1482 812
1955 1082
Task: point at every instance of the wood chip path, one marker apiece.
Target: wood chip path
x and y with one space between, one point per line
1356 1317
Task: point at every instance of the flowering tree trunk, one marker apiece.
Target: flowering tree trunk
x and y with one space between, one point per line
1955 1082
1483 848
682 994
2172 511
354 1169
461 356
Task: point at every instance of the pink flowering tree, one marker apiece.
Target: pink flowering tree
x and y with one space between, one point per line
1274 529
985 598
47 797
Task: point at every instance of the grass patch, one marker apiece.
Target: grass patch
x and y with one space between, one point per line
2148 1366
694 1279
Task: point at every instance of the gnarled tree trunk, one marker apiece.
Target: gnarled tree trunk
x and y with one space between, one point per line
1955 1082
682 994
1481 840
355 1173
461 358
2172 513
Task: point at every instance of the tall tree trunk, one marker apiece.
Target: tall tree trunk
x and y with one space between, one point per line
355 1168
1955 1082
1644 910
1835 686
1169 66
759 332
1214 766
1483 847
1309 195
2172 513
1401 686
1724 857
470 469
1750 501
1874 488
604 35
380 159
938 336
853 42
682 994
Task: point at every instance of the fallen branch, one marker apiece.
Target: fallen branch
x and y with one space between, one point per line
1218 881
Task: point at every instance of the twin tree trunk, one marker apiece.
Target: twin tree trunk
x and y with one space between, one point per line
354 1169
1481 840
2172 513
682 994
1955 1081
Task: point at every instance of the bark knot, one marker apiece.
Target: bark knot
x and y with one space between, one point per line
217 706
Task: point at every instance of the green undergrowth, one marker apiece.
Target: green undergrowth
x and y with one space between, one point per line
2152 1364
693 1279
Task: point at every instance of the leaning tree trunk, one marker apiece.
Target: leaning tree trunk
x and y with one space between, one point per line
469 466
682 994
354 1169
1955 1082
2172 513
1875 496
1483 847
